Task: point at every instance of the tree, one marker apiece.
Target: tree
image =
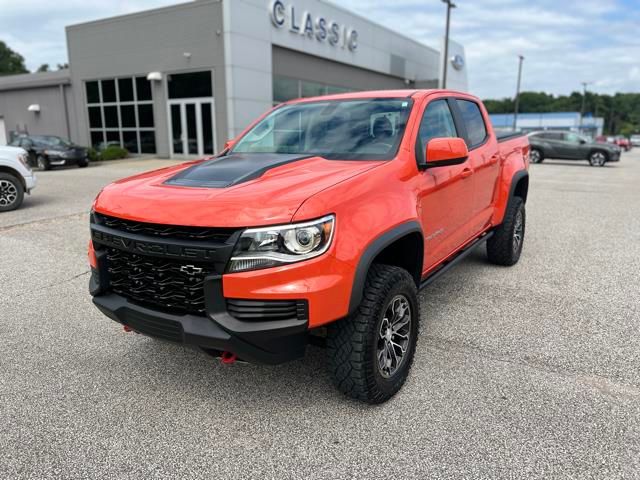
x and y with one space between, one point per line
11 62
621 112
43 68
62 66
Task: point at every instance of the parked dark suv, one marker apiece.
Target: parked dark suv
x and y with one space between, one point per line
46 151
570 146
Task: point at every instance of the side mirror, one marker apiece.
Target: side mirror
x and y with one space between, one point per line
442 152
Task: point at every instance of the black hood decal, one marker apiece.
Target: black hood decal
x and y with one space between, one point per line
231 169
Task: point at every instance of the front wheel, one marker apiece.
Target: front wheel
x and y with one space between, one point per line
11 192
83 163
43 163
370 353
597 159
505 245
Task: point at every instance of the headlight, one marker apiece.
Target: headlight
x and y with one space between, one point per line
24 160
279 245
54 153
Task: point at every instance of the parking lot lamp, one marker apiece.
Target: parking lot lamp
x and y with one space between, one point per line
517 99
445 60
582 107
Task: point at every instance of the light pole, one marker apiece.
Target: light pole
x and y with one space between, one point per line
450 5
584 97
517 100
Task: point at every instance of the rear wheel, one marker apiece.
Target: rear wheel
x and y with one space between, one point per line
11 192
505 245
535 156
597 159
43 163
370 353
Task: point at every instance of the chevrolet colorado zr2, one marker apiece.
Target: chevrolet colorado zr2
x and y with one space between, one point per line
321 221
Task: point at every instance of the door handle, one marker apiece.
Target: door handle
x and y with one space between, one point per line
466 173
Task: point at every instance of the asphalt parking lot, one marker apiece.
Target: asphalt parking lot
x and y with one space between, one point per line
527 372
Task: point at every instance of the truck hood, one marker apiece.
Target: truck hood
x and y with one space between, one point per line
236 190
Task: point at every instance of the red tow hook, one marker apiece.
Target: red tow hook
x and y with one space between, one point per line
127 328
228 358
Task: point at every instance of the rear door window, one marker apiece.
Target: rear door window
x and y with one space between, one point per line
472 117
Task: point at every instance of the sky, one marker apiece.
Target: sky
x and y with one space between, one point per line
564 42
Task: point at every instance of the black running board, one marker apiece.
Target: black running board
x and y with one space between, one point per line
444 268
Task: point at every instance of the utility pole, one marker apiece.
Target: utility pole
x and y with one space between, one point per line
450 5
584 97
517 100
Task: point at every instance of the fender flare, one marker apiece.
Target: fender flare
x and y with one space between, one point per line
515 179
371 252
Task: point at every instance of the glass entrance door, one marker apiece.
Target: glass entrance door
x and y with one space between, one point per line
192 124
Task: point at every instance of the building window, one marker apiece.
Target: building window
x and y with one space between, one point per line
190 85
285 89
121 112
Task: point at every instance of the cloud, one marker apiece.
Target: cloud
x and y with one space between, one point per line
564 42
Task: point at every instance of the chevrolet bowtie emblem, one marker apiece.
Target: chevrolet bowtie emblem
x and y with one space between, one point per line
190 269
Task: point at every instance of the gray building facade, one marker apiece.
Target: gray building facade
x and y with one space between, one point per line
181 80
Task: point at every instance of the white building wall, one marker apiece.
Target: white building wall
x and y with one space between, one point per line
249 34
456 79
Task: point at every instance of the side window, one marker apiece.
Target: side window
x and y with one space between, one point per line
572 137
437 122
472 117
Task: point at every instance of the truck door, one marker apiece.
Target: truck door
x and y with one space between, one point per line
445 193
484 160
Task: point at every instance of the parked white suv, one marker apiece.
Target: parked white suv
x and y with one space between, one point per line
635 140
16 177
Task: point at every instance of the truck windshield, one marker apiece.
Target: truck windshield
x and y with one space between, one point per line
367 129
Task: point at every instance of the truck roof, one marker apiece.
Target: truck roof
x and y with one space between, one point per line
403 93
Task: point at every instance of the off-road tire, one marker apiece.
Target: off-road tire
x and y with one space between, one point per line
11 192
501 248
352 343
43 163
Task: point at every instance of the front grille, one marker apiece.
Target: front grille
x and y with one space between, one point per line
156 282
220 235
259 310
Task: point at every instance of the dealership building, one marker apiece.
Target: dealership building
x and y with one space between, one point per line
531 122
181 80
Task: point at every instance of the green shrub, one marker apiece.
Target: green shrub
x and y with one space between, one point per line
93 154
113 152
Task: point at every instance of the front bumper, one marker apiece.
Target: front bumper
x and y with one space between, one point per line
265 342
30 182
56 161
614 157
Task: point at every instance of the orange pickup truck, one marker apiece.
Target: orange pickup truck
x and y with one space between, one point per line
319 223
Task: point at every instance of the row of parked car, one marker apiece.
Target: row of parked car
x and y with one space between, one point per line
25 152
568 145
623 142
